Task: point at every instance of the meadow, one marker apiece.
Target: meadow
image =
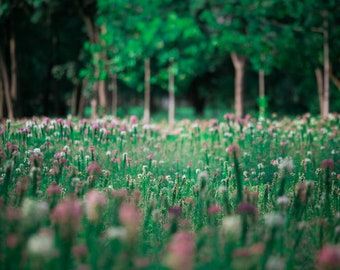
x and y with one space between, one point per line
208 194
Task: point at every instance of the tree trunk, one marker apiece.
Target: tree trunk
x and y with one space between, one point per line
102 94
171 116
94 114
6 87
147 91
319 80
114 95
262 98
261 84
325 100
81 105
239 65
74 100
1 100
12 46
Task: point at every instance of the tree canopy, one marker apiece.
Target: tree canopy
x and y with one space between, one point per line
60 57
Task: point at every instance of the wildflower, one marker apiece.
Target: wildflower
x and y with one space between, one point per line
53 189
246 208
116 233
286 165
234 148
327 164
129 216
80 251
12 240
22 185
66 216
274 220
231 225
228 116
94 169
34 211
42 244
328 258
95 201
133 120
214 209
150 156
282 200
181 251
175 211
275 263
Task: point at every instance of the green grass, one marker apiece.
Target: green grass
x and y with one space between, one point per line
110 194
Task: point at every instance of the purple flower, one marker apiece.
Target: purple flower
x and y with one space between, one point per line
246 208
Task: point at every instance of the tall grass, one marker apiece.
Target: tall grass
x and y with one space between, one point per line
117 194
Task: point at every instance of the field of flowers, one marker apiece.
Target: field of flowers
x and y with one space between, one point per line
116 194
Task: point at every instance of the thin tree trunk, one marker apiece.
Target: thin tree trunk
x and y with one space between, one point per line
239 65
325 100
114 95
12 46
171 116
94 114
262 100
147 91
319 80
74 100
1 99
92 34
6 86
102 93
81 105
261 84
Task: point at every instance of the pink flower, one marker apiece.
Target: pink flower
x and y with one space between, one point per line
133 119
181 251
95 201
119 193
228 116
12 240
214 209
149 156
53 189
95 126
94 168
327 164
79 251
129 216
175 211
213 122
329 257
234 148
67 215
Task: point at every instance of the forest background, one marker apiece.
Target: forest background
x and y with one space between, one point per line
95 57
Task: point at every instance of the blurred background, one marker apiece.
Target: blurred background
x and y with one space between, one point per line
171 59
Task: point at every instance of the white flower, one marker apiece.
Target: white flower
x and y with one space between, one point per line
116 233
41 244
282 200
36 150
34 211
275 263
286 164
260 166
274 220
231 226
